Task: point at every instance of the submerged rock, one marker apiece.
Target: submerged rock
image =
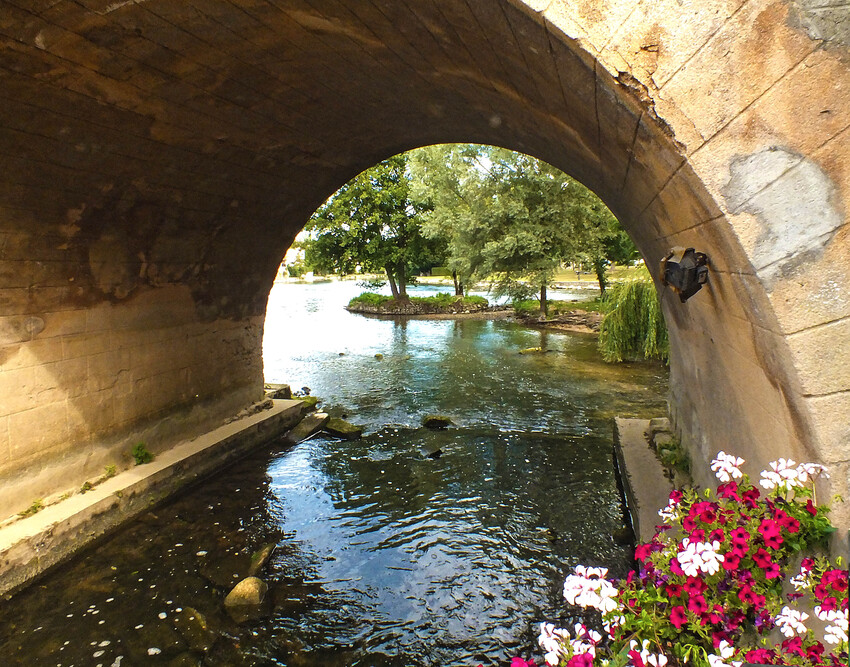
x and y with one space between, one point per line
308 403
260 558
339 428
193 626
531 350
379 356
436 421
307 427
249 591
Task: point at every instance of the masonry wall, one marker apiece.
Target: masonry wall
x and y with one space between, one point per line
157 159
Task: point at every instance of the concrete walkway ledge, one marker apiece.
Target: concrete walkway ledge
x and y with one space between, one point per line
646 488
30 546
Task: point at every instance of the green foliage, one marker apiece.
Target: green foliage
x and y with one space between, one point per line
441 300
633 327
87 486
141 454
296 269
110 471
371 224
370 299
35 508
531 307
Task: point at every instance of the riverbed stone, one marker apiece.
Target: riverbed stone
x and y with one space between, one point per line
308 403
307 427
531 350
250 591
193 625
339 428
436 421
259 558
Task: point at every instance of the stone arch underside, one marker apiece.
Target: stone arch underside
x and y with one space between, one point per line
158 157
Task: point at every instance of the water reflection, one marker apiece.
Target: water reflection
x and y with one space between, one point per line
385 556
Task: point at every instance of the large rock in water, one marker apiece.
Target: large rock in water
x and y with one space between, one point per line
339 428
436 421
278 391
249 591
260 558
307 427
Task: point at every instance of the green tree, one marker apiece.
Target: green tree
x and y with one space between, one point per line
509 217
633 326
371 223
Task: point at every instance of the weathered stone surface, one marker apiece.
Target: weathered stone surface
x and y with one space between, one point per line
259 559
278 391
339 428
136 193
250 591
437 421
193 626
311 424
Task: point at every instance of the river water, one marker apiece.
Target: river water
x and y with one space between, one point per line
385 556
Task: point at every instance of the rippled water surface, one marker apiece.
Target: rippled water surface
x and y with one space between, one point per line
384 555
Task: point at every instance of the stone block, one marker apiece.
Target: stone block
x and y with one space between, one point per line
41 428
815 351
726 66
832 415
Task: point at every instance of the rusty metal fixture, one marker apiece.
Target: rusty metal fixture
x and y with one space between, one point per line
685 271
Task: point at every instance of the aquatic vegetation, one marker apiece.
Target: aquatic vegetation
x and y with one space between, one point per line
709 588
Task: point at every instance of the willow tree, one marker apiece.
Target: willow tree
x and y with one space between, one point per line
633 326
371 223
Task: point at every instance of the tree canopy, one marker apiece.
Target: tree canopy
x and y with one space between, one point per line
371 223
511 218
486 213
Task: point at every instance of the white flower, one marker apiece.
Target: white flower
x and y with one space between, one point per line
800 582
807 471
836 633
718 661
669 513
791 621
783 473
727 467
769 480
589 588
700 557
652 659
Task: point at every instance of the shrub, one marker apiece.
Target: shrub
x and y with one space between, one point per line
141 454
370 299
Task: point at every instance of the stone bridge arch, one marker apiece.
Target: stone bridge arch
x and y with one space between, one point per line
157 157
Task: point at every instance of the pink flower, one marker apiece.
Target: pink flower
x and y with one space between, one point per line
762 558
519 662
697 604
729 490
642 551
678 616
740 537
675 568
583 660
731 561
771 571
694 586
810 507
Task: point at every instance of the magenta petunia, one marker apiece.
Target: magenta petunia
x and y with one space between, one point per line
697 604
678 616
762 558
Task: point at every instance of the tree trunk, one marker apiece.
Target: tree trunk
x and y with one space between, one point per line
544 303
393 284
458 284
599 267
401 277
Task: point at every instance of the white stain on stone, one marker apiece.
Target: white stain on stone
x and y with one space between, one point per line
793 200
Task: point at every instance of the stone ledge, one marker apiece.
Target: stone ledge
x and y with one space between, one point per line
647 489
31 546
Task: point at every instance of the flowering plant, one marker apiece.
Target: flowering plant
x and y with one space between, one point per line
709 587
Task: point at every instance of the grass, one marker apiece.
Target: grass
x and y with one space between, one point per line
531 307
35 508
441 300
